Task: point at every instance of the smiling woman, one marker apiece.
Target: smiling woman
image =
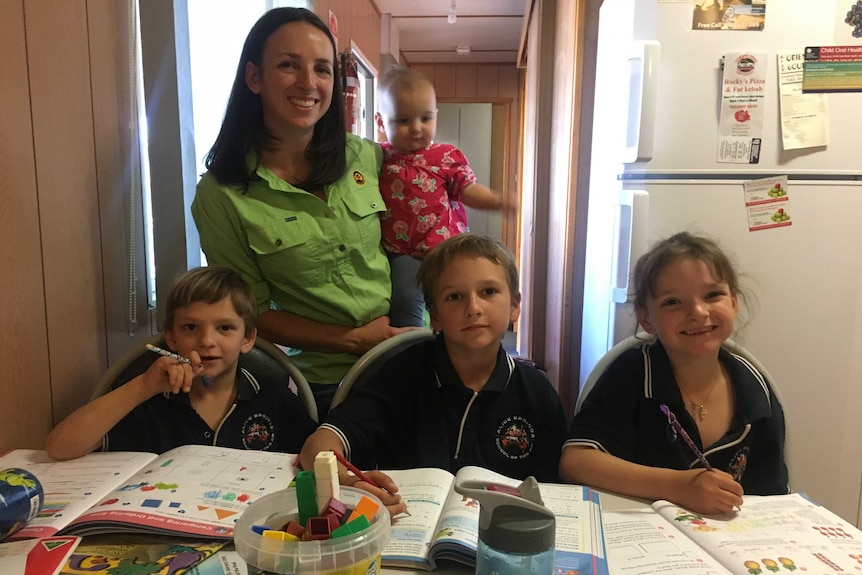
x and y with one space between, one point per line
292 203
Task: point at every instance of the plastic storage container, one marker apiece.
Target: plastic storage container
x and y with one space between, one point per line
357 554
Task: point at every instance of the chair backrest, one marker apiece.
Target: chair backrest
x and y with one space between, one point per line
641 338
606 360
266 361
367 365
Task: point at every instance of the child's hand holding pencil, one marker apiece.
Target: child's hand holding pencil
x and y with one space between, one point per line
383 486
180 371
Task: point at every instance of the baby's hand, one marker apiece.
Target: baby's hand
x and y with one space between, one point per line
709 492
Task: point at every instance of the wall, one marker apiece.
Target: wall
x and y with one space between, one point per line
359 21
61 163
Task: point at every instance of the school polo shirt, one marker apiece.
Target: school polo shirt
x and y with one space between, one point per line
416 412
321 260
263 417
621 416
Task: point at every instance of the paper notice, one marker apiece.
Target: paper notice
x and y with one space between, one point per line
743 89
804 117
767 203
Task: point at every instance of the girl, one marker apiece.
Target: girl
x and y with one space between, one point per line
687 297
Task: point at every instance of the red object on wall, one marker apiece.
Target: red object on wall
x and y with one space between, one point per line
350 73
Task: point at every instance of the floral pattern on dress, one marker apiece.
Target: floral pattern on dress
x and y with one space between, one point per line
422 191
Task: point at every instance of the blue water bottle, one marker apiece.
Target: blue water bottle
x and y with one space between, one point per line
516 530
21 499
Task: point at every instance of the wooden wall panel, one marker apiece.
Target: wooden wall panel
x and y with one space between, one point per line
68 196
358 20
465 81
25 411
487 81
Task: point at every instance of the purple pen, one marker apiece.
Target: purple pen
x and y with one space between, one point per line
677 428
205 379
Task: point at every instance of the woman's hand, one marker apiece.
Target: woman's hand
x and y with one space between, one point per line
374 332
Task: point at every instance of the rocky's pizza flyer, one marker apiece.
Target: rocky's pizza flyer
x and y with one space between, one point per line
743 90
767 203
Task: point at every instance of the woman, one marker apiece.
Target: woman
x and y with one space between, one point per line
292 202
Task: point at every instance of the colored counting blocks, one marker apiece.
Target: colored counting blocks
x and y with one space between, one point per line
365 507
320 514
306 496
351 527
326 479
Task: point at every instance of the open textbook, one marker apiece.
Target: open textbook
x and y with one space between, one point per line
191 490
769 534
445 525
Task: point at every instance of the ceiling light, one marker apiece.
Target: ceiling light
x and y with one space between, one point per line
451 17
463 50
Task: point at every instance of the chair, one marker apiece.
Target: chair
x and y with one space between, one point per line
367 365
265 360
606 360
641 338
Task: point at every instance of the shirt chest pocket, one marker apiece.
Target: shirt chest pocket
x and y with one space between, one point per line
365 208
287 252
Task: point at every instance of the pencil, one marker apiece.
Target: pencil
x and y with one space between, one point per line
672 421
353 469
205 379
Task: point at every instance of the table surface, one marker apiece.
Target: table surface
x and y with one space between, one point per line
609 501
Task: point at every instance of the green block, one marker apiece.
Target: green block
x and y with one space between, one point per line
351 527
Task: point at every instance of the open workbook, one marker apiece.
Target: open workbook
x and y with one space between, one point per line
769 534
191 490
445 525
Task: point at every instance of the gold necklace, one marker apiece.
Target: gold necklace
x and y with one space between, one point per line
700 408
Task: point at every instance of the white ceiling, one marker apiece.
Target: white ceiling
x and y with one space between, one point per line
491 28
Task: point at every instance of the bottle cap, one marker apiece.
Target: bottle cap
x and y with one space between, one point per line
511 524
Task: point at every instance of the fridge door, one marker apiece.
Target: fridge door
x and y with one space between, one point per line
805 320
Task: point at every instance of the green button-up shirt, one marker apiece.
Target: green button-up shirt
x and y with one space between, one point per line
321 260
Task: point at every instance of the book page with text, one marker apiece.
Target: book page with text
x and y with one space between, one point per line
640 542
71 487
773 533
193 489
424 491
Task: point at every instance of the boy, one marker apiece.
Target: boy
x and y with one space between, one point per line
210 315
425 186
459 399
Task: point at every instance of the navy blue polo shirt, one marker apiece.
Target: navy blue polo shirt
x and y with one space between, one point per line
264 417
416 412
621 416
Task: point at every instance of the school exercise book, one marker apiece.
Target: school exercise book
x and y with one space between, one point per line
194 490
776 534
445 525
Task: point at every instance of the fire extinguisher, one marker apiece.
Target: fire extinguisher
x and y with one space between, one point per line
350 81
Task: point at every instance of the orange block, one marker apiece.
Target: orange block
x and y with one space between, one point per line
365 507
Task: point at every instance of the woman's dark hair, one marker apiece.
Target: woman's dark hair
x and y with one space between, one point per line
243 130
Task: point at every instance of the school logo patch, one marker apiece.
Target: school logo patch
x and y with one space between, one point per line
738 463
257 432
516 437
358 177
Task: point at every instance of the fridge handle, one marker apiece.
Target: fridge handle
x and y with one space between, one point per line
643 97
631 234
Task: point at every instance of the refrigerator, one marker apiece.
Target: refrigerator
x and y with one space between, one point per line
655 170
